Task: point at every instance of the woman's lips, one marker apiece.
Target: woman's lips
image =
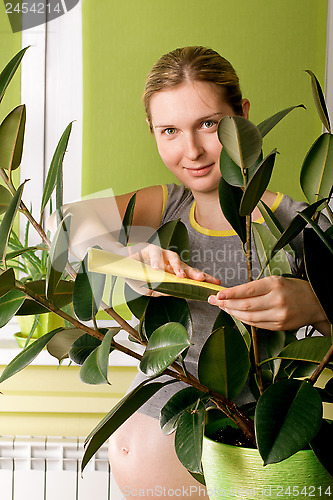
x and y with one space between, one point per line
199 171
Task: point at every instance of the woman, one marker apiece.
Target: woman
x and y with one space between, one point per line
187 93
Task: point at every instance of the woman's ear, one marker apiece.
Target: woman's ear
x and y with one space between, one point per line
246 107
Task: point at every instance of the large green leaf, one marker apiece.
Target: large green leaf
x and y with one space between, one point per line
189 437
322 445
161 310
317 169
232 173
241 139
173 236
127 221
88 292
9 305
183 400
11 138
61 343
264 243
58 257
126 407
9 71
61 297
319 100
309 349
223 319
184 291
257 185
55 167
5 198
25 357
224 362
267 125
319 269
95 367
82 348
288 416
7 281
8 220
164 346
230 198
137 303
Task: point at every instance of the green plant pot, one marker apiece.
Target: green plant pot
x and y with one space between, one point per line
235 472
47 322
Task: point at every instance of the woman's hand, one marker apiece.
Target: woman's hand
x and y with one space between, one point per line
168 261
273 303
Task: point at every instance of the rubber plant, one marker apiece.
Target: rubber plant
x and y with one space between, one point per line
283 383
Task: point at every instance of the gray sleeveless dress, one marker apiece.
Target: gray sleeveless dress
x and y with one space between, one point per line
220 254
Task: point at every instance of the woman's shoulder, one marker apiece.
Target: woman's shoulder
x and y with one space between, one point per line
177 197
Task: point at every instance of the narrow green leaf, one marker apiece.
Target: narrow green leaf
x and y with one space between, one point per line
317 169
95 367
128 405
184 291
61 298
127 221
189 437
308 349
8 220
9 71
12 138
264 243
319 100
9 305
267 125
182 401
224 362
257 185
82 348
25 357
161 310
88 292
297 225
230 199
288 416
56 167
58 257
273 224
61 343
164 346
321 235
318 261
5 199
241 139
7 281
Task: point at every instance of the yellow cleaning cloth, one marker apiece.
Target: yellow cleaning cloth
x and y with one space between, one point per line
100 261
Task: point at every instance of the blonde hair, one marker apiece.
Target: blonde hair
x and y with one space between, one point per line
194 63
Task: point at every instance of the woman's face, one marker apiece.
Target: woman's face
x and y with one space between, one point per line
184 121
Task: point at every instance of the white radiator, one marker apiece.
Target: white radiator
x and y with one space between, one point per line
49 468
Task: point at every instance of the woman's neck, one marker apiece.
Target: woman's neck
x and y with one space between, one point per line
209 215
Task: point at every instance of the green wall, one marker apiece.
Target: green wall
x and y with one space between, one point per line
10 44
270 43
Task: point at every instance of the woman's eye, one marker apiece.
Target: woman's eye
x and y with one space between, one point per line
208 124
169 131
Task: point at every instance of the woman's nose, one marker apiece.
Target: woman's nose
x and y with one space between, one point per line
193 147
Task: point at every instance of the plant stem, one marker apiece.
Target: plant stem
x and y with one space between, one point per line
326 359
